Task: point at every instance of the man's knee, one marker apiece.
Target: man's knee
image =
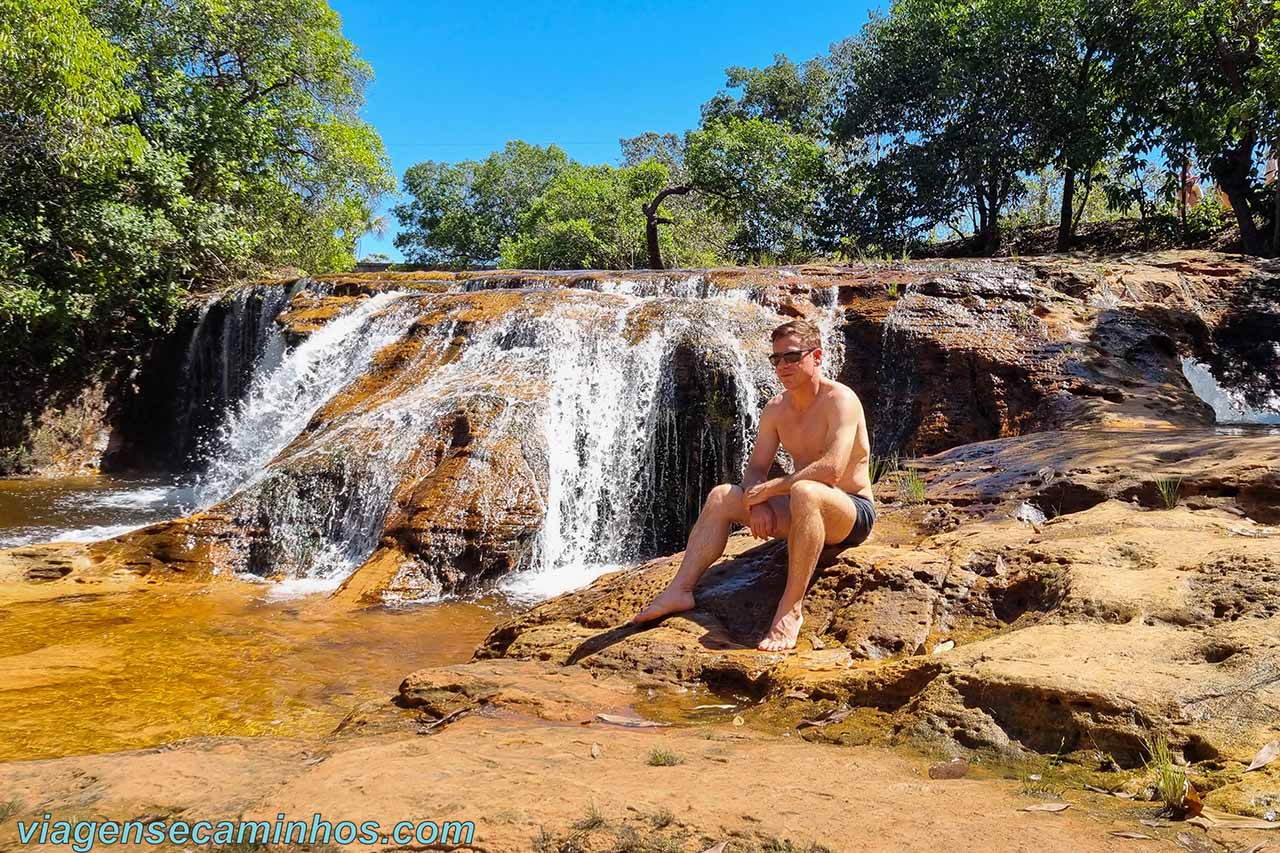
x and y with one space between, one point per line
725 497
807 494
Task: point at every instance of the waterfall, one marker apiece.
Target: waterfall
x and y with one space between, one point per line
281 400
601 421
830 326
1229 407
235 338
895 414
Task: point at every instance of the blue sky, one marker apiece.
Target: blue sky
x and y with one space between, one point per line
454 81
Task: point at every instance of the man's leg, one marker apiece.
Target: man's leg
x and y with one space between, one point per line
723 508
817 515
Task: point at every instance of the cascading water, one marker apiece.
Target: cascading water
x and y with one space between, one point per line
573 399
1229 407
235 339
599 425
830 323
897 382
282 400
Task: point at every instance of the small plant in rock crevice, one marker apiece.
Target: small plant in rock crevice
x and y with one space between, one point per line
882 466
910 486
1169 779
1170 491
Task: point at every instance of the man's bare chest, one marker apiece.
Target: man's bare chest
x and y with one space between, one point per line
804 435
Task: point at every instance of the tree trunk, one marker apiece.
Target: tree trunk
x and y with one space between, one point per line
652 220
1182 200
1068 209
991 225
1231 171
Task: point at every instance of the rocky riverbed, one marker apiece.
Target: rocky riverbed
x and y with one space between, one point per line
1082 559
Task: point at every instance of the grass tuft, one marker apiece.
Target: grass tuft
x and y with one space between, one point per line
1170 779
910 486
664 758
883 466
592 820
891 290
9 809
1170 489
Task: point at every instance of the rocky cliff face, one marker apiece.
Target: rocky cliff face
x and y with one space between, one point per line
439 432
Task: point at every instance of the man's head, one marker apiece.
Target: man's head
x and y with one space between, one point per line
797 352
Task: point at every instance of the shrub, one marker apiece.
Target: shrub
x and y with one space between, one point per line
664 758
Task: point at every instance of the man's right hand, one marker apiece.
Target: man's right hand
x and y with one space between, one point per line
762 521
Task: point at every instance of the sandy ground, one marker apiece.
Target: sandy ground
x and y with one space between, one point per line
520 780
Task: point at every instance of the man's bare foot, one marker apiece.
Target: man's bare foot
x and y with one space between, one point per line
784 633
671 600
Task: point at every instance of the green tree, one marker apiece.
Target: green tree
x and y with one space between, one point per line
1202 85
762 177
259 100
793 96
459 213
588 217
953 94
147 146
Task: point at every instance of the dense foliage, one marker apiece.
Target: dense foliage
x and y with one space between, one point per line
147 146
940 118
459 213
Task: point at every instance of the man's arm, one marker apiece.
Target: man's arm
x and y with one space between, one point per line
765 450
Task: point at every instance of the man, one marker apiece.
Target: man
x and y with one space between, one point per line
827 500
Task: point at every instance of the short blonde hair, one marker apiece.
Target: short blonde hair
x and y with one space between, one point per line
802 329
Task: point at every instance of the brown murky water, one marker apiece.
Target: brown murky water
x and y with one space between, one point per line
95 673
81 508
134 669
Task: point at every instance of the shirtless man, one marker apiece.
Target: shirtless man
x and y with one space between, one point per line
826 501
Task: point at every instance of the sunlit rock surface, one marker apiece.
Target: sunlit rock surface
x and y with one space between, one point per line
1082 628
443 432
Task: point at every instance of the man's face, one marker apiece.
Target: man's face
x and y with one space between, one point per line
809 366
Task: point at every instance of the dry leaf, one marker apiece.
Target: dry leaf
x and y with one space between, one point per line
1265 756
1124 795
1096 789
953 769
944 646
1046 807
1148 822
1210 818
595 750
629 722
832 716
738 721
1136 836
716 848
1257 848
1191 802
712 707
796 694
1195 845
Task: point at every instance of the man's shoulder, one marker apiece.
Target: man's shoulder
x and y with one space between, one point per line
774 404
840 393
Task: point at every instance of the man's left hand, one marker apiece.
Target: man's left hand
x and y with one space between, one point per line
766 490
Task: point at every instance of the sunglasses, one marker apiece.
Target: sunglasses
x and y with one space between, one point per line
792 357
